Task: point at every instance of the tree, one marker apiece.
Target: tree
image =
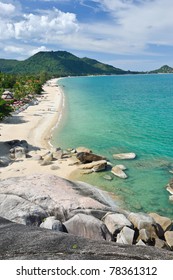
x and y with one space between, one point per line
5 109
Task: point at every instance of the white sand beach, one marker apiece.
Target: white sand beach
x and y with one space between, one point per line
35 125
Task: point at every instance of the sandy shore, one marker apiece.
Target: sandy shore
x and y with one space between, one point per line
35 126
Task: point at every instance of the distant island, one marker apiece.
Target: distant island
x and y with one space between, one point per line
165 69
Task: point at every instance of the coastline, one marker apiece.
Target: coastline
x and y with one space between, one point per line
35 125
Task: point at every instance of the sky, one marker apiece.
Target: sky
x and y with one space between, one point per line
128 34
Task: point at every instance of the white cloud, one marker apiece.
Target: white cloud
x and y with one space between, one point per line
140 22
38 49
13 49
6 9
39 26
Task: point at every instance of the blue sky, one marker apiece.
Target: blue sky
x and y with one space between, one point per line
129 34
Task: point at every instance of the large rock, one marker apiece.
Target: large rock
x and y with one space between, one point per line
115 222
85 157
169 187
117 171
20 242
164 222
25 199
83 150
47 159
95 166
141 220
54 224
169 238
19 152
88 226
126 236
124 156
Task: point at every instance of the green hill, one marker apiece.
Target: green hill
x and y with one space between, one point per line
164 69
58 63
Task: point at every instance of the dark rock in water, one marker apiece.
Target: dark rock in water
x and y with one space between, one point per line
85 157
20 242
87 226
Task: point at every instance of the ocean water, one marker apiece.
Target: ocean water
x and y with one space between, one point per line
115 114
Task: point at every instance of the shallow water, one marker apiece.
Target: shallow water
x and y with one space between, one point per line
114 114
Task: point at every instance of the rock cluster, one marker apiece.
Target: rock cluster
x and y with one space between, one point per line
20 242
48 201
18 149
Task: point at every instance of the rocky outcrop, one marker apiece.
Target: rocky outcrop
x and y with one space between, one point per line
85 157
32 198
77 208
124 156
20 242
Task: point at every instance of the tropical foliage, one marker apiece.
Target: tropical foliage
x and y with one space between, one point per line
21 86
5 109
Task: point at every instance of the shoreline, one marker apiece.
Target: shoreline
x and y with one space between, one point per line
36 125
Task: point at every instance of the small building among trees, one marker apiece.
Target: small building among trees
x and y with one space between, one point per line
7 95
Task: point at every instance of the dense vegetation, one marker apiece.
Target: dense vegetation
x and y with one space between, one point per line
58 63
163 70
21 86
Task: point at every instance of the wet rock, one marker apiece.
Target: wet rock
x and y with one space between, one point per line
118 172
95 165
124 156
85 157
108 177
169 187
121 166
83 150
100 167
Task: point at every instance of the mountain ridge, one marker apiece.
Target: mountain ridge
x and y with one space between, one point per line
58 63
63 63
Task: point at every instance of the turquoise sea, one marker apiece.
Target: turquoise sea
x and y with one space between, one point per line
114 114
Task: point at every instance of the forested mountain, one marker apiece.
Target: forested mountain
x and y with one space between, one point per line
58 63
163 70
